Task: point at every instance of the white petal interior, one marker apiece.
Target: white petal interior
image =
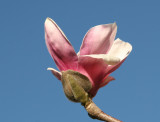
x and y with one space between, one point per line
120 49
110 60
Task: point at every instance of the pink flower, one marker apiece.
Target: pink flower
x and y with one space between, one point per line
98 57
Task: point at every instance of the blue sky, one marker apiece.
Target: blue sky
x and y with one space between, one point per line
30 93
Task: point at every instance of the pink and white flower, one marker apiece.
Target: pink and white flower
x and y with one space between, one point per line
98 57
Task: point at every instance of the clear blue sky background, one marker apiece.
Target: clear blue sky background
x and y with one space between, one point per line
30 93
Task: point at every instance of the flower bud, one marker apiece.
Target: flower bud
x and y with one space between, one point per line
76 86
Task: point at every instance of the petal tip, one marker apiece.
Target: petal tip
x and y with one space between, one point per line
106 81
49 68
55 73
112 79
114 26
128 45
47 19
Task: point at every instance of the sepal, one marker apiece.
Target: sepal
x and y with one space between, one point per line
75 85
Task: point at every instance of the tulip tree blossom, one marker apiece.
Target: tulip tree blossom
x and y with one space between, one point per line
100 54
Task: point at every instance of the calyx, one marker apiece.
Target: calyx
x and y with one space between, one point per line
76 86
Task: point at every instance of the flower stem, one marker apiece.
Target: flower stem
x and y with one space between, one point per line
96 113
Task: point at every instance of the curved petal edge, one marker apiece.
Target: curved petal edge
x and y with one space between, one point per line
56 73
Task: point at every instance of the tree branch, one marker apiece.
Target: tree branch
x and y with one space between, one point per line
96 113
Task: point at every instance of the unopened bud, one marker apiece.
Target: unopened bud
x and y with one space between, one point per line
76 86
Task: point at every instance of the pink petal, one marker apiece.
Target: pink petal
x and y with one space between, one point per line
98 39
59 47
96 69
121 50
94 90
56 73
114 67
106 81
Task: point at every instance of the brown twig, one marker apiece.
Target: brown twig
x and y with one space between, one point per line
96 113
